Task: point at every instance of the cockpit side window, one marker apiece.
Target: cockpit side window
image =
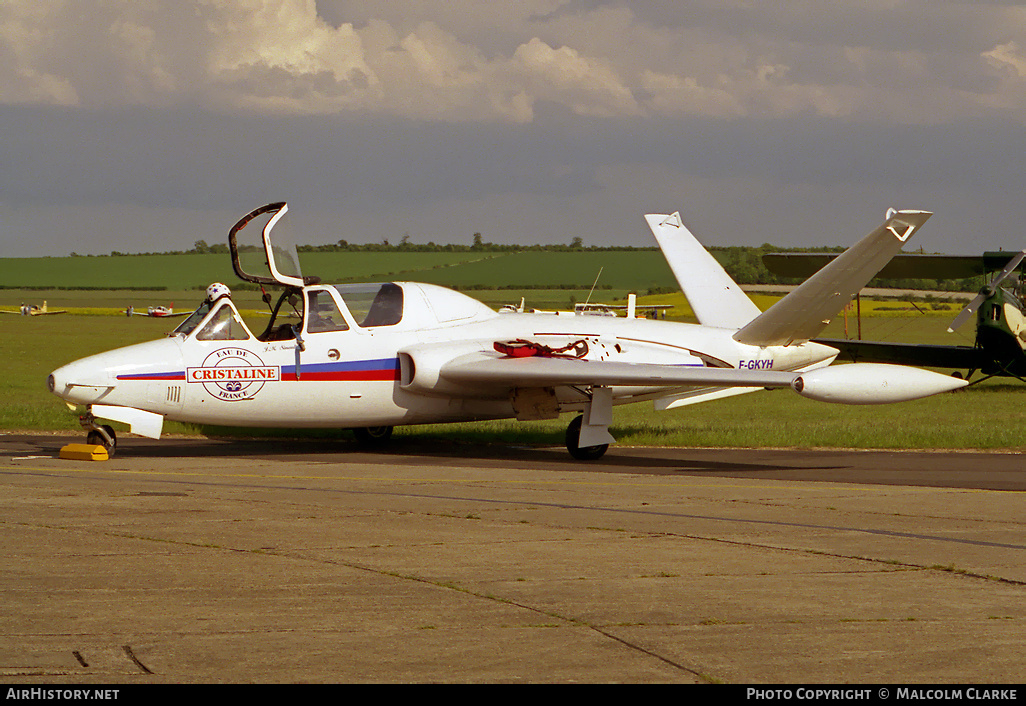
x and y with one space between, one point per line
223 325
322 314
375 306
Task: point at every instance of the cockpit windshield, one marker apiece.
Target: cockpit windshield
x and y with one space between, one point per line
186 327
223 325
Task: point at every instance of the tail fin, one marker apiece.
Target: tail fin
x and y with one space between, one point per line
713 295
806 311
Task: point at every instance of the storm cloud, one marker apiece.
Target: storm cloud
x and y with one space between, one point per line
141 126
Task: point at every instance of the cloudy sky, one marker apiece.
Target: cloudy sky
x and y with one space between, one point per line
145 125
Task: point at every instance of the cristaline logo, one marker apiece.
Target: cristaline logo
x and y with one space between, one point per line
233 374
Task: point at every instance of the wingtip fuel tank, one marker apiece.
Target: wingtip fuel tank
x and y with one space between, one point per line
872 383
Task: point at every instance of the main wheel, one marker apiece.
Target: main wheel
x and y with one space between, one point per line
573 440
96 439
372 436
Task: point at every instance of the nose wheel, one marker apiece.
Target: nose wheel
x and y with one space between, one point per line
99 434
105 437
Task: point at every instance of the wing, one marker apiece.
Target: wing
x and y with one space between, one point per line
493 370
930 356
807 310
858 383
903 266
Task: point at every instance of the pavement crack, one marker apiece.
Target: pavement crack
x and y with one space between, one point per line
450 586
654 655
131 655
897 565
547 613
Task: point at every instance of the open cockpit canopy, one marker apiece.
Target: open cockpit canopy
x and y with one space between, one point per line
307 306
255 252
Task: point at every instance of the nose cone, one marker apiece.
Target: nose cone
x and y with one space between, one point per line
83 382
110 376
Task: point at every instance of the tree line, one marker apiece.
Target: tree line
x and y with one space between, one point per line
742 262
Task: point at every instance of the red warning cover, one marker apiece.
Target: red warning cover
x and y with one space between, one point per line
522 348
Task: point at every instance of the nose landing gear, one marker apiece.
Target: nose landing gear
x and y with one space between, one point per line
99 434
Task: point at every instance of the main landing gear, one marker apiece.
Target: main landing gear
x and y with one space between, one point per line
573 437
372 436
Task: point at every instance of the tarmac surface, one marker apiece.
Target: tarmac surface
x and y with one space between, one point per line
203 561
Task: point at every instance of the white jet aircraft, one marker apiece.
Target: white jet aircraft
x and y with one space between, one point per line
372 356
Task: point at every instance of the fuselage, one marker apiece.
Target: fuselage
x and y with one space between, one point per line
349 366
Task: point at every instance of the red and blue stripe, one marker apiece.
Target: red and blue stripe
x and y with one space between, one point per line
379 369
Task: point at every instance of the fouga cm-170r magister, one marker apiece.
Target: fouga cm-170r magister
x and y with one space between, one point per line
372 356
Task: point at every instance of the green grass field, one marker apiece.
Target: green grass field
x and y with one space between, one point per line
547 280
634 270
988 416
114 302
